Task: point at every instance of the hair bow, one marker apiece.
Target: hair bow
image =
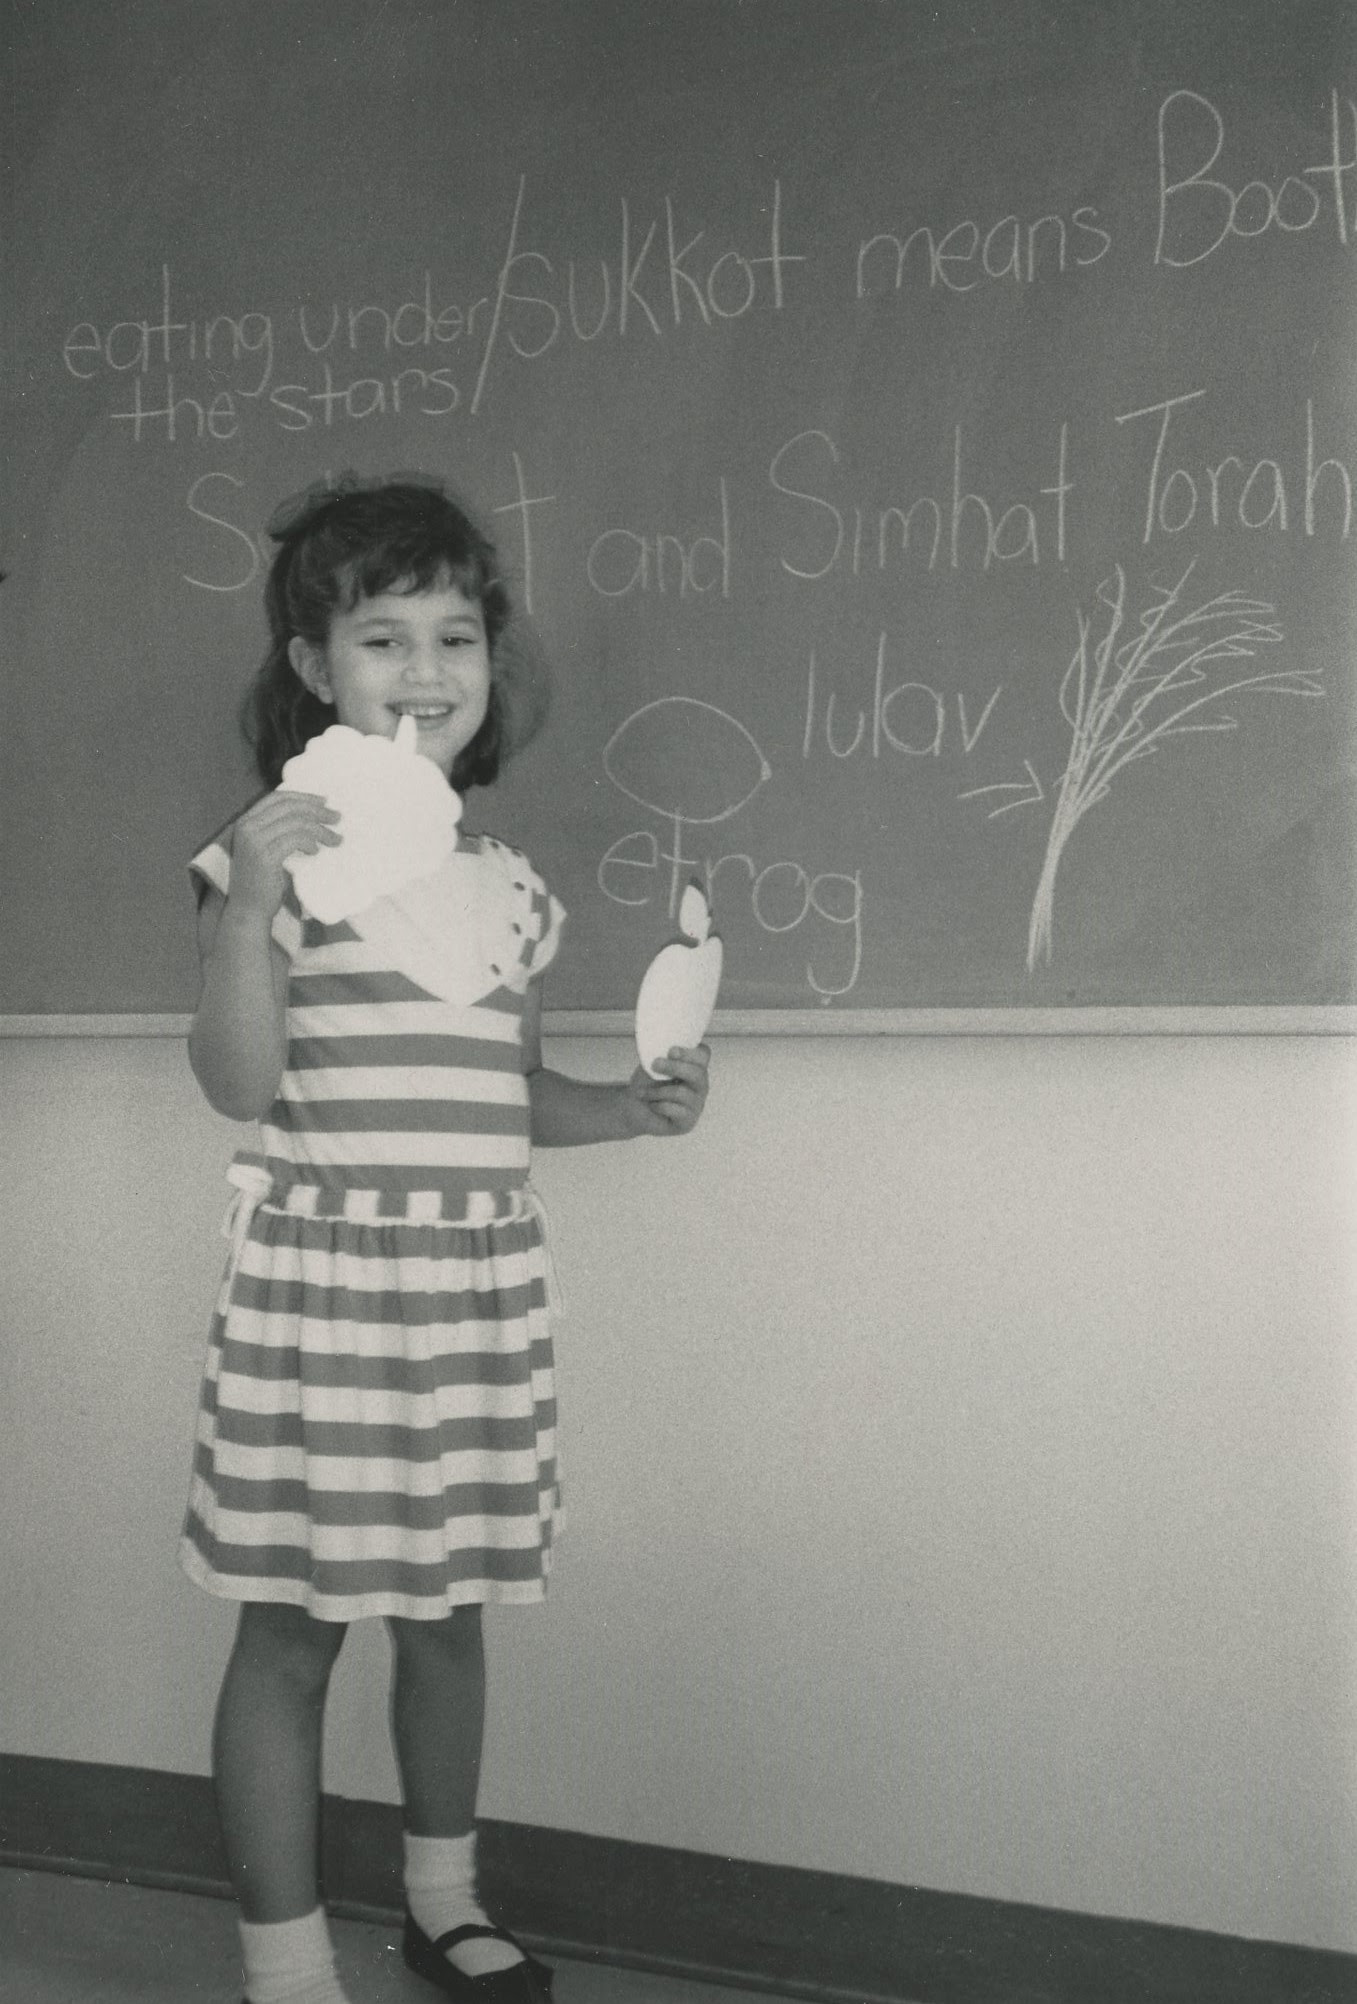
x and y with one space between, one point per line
301 511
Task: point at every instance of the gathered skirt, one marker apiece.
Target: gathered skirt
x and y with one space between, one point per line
377 1427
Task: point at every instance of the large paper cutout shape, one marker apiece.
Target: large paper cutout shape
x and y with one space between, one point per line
440 931
398 818
678 990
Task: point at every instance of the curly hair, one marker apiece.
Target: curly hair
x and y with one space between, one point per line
346 540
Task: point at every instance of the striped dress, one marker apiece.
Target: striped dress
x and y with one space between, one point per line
376 1432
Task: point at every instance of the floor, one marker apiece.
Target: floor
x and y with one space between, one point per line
79 1941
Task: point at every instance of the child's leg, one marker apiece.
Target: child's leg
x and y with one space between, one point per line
266 1753
266 1761
437 1718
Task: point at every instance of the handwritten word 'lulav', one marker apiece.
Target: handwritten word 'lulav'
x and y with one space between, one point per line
911 719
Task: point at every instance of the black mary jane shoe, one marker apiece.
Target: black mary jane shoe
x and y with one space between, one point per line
527 1982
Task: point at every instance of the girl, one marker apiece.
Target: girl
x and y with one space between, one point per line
377 1428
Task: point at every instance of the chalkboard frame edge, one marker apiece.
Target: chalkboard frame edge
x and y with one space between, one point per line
1100 1020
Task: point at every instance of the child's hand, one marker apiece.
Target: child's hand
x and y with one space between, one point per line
672 1104
280 825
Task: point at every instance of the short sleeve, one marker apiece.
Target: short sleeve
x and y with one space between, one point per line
211 869
553 924
546 916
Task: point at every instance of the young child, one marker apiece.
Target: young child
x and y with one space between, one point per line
377 1427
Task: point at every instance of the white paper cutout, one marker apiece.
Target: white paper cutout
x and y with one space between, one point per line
443 932
678 990
398 817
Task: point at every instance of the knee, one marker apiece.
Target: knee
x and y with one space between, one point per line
288 1644
454 1639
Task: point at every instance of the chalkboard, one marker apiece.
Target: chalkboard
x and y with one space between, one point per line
925 437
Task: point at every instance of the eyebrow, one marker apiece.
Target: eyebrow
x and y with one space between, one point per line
472 617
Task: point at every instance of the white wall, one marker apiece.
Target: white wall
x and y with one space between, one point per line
959 1448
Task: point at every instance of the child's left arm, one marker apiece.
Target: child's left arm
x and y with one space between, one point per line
567 1112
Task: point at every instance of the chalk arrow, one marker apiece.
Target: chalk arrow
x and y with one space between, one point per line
1030 788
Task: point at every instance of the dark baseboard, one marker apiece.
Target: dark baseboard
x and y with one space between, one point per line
770 1927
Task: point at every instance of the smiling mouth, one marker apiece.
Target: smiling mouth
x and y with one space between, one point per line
424 713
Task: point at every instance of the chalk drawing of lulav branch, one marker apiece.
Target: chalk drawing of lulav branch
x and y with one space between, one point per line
1125 696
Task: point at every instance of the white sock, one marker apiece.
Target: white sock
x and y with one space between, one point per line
290 1962
440 1886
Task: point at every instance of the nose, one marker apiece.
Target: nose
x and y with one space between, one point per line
424 665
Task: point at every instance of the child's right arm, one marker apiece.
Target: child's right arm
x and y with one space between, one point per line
238 1042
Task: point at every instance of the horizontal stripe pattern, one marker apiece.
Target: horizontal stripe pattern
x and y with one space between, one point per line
388 1086
276 1301
420 1015
377 1426
377 1431
367 1076
292 1497
277 1431
481 1116
421 1195
372 1154
346 1590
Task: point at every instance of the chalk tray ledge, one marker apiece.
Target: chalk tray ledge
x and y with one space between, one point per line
1100 1020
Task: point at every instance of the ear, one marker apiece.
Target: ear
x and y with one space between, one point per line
308 664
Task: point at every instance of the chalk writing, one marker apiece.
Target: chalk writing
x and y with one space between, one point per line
678 733
521 507
740 436
237 555
158 353
1253 493
139 345
296 407
911 718
415 323
1198 212
624 561
242 548
697 287
181 415
962 528
1009 249
420 392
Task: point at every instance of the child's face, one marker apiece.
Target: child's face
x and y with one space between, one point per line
422 654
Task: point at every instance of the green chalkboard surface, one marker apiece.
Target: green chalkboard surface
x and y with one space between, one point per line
925 437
